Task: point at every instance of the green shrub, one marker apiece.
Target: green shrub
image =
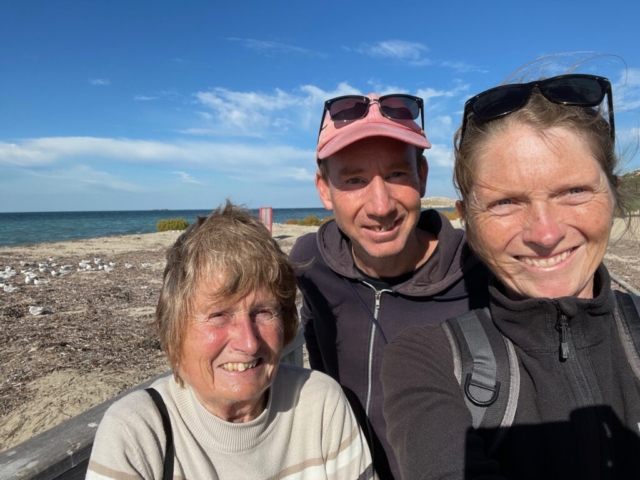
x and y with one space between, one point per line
630 190
166 224
311 220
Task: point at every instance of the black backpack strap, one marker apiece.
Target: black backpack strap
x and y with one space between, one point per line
486 367
627 317
166 423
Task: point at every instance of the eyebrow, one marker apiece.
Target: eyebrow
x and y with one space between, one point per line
390 166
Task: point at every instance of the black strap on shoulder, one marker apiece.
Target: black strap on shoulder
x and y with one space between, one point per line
166 423
488 368
628 321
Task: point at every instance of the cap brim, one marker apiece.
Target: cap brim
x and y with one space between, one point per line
372 130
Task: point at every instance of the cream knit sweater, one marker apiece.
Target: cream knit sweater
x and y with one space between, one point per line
307 431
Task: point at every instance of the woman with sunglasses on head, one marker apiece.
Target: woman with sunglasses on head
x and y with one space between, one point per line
550 390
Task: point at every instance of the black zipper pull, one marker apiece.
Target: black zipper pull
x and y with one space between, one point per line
562 326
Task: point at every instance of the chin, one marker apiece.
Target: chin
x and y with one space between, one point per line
555 289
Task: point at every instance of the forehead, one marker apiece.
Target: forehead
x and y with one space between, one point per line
224 290
521 156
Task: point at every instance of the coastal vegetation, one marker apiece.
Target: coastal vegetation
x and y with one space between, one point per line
168 224
451 215
630 187
308 221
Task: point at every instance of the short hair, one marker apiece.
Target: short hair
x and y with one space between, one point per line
541 115
231 244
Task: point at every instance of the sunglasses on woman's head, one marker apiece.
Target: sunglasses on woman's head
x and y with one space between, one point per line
577 90
354 107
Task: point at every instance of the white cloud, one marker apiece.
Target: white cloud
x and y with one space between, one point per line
99 81
439 127
258 114
462 67
144 98
626 91
254 162
267 46
440 156
429 93
186 178
77 178
411 52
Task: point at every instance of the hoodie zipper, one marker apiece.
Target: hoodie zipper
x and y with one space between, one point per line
372 337
567 353
563 327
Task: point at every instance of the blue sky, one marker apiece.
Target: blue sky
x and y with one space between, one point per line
126 105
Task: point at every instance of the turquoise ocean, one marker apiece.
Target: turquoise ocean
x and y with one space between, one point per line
34 227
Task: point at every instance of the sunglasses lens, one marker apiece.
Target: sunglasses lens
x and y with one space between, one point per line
574 91
400 108
496 103
348 109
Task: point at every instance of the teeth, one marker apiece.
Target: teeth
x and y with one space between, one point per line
240 367
383 228
545 262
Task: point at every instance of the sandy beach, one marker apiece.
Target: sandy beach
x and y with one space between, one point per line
94 339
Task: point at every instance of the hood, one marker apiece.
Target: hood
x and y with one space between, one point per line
451 259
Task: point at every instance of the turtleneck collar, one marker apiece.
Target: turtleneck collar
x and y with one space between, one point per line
532 323
226 436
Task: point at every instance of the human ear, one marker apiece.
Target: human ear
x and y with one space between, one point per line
322 185
423 172
460 208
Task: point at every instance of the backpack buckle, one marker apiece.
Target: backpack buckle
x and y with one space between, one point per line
482 391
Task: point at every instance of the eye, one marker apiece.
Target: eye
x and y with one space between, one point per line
265 314
397 174
220 319
503 206
354 181
576 190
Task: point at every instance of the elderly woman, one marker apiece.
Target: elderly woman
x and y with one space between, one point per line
226 310
535 170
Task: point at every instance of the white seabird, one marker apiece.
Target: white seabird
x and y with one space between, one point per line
36 310
128 265
37 281
9 288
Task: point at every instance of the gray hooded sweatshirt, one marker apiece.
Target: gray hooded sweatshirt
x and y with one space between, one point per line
348 319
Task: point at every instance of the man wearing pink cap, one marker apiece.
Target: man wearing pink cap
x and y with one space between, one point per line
382 265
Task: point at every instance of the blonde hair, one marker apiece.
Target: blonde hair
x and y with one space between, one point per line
233 245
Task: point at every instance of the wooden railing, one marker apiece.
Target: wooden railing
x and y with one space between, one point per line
62 452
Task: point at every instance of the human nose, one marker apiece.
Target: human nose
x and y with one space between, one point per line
380 202
244 337
545 227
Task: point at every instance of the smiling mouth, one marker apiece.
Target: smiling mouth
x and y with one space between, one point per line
546 262
239 367
383 228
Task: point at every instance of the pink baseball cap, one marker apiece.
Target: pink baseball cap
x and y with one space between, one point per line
338 134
